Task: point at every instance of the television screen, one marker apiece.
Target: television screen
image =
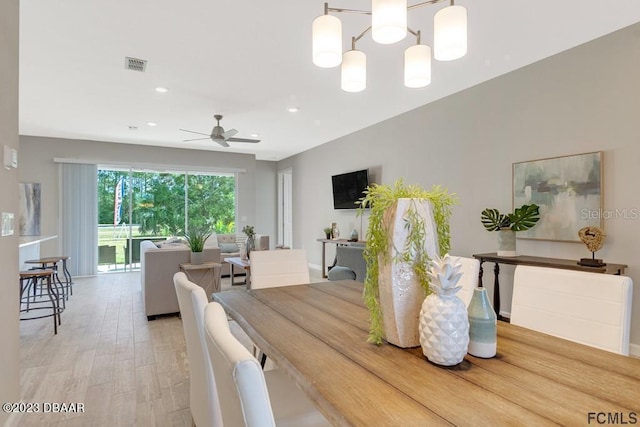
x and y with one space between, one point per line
348 188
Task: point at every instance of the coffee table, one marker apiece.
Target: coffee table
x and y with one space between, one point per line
240 263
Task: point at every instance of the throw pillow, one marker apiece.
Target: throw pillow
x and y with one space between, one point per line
229 248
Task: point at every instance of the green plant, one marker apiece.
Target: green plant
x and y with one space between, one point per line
522 218
196 237
380 198
249 230
327 231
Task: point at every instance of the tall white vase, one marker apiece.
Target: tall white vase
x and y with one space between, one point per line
401 295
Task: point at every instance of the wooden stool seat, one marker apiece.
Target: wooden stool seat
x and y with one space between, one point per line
29 274
45 260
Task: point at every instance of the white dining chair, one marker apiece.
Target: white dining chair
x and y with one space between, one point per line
270 269
203 395
589 308
279 268
469 280
249 396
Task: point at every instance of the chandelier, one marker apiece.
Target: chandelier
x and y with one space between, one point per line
389 25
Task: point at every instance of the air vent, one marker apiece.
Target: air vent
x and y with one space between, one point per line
135 64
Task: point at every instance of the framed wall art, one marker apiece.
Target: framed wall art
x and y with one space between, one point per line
29 198
568 190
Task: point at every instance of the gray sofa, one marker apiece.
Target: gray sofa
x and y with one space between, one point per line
157 267
349 265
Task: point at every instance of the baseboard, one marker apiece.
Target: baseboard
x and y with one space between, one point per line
634 350
315 267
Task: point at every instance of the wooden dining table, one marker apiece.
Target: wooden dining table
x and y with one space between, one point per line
318 334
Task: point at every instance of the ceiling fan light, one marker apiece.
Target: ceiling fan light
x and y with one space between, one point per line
327 41
388 20
354 71
417 66
450 33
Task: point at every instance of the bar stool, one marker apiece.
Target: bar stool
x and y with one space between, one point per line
52 263
29 279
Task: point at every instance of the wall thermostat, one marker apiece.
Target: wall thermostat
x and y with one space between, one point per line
10 157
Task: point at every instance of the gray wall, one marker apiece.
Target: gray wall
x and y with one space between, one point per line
266 197
9 329
582 100
37 156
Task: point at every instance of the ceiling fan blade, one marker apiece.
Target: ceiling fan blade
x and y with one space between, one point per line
193 131
221 141
228 134
197 139
243 140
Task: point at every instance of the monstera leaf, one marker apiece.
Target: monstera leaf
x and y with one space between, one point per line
524 217
493 220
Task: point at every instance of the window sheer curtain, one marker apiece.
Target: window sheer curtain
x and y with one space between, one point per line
79 216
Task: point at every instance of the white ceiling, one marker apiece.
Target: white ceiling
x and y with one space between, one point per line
250 60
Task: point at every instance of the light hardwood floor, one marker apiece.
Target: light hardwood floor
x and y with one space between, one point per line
125 370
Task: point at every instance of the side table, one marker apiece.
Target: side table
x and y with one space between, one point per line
245 265
206 275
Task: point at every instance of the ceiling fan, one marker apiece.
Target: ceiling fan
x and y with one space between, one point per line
219 135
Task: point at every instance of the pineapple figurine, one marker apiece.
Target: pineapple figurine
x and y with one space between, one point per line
444 323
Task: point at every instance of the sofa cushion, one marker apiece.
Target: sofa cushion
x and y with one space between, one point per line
228 248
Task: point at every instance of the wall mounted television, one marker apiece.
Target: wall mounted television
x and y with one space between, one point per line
348 188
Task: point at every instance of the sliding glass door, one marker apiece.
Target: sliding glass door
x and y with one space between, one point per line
136 205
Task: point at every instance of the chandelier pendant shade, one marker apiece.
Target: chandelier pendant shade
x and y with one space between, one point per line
327 41
388 20
389 25
417 66
450 33
354 71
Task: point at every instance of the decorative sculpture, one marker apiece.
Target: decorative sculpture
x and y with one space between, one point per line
593 237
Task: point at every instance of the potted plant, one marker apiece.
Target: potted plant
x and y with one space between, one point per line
522 218
250 243
408 225
327 232
196 237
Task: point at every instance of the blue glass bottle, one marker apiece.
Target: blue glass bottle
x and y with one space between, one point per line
482 325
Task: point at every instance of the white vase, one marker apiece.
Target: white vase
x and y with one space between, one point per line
507 242
197 257
482 325
401 295
444 323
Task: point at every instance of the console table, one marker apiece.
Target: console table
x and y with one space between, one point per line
337 242
565 264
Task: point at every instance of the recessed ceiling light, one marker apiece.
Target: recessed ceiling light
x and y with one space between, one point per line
152 124
161 89
255 135
293 109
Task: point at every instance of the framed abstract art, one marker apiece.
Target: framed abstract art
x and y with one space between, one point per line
568 190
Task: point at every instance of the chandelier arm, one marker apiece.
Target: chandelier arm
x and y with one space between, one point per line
357 38
328 9
426 3
341 10
415 33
